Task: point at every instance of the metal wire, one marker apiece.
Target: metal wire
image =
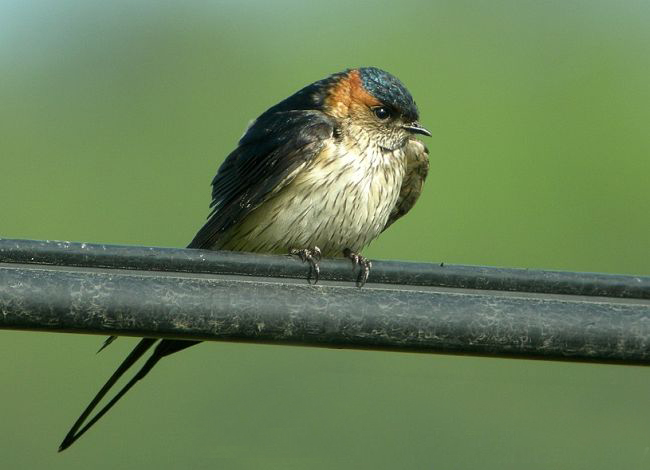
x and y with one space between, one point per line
231 296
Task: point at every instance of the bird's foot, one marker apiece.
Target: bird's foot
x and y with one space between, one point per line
361 261
311 256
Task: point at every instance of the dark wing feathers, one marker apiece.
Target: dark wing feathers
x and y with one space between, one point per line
272 148
417 168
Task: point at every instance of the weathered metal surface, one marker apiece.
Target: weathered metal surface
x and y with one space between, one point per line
81 288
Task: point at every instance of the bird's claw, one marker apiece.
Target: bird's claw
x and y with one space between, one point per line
361 261
311 256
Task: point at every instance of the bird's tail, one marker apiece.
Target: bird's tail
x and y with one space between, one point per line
107 341
164 348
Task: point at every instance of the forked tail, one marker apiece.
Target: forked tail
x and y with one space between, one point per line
164 348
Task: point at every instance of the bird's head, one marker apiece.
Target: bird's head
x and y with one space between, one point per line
375 102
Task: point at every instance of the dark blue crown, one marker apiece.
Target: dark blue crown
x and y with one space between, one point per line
389 90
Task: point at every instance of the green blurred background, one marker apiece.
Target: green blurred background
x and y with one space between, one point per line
114 117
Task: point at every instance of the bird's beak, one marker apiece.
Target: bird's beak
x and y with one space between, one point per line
416 128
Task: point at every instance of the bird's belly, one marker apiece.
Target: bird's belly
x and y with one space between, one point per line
335 205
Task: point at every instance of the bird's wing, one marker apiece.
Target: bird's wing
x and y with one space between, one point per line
268 157
417 168
271 151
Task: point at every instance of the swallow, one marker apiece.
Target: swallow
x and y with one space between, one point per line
322 173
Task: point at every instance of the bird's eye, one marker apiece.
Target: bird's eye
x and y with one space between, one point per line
381 112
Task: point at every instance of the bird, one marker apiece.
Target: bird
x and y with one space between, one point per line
320 174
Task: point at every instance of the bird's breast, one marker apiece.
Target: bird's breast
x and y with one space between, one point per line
340 199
